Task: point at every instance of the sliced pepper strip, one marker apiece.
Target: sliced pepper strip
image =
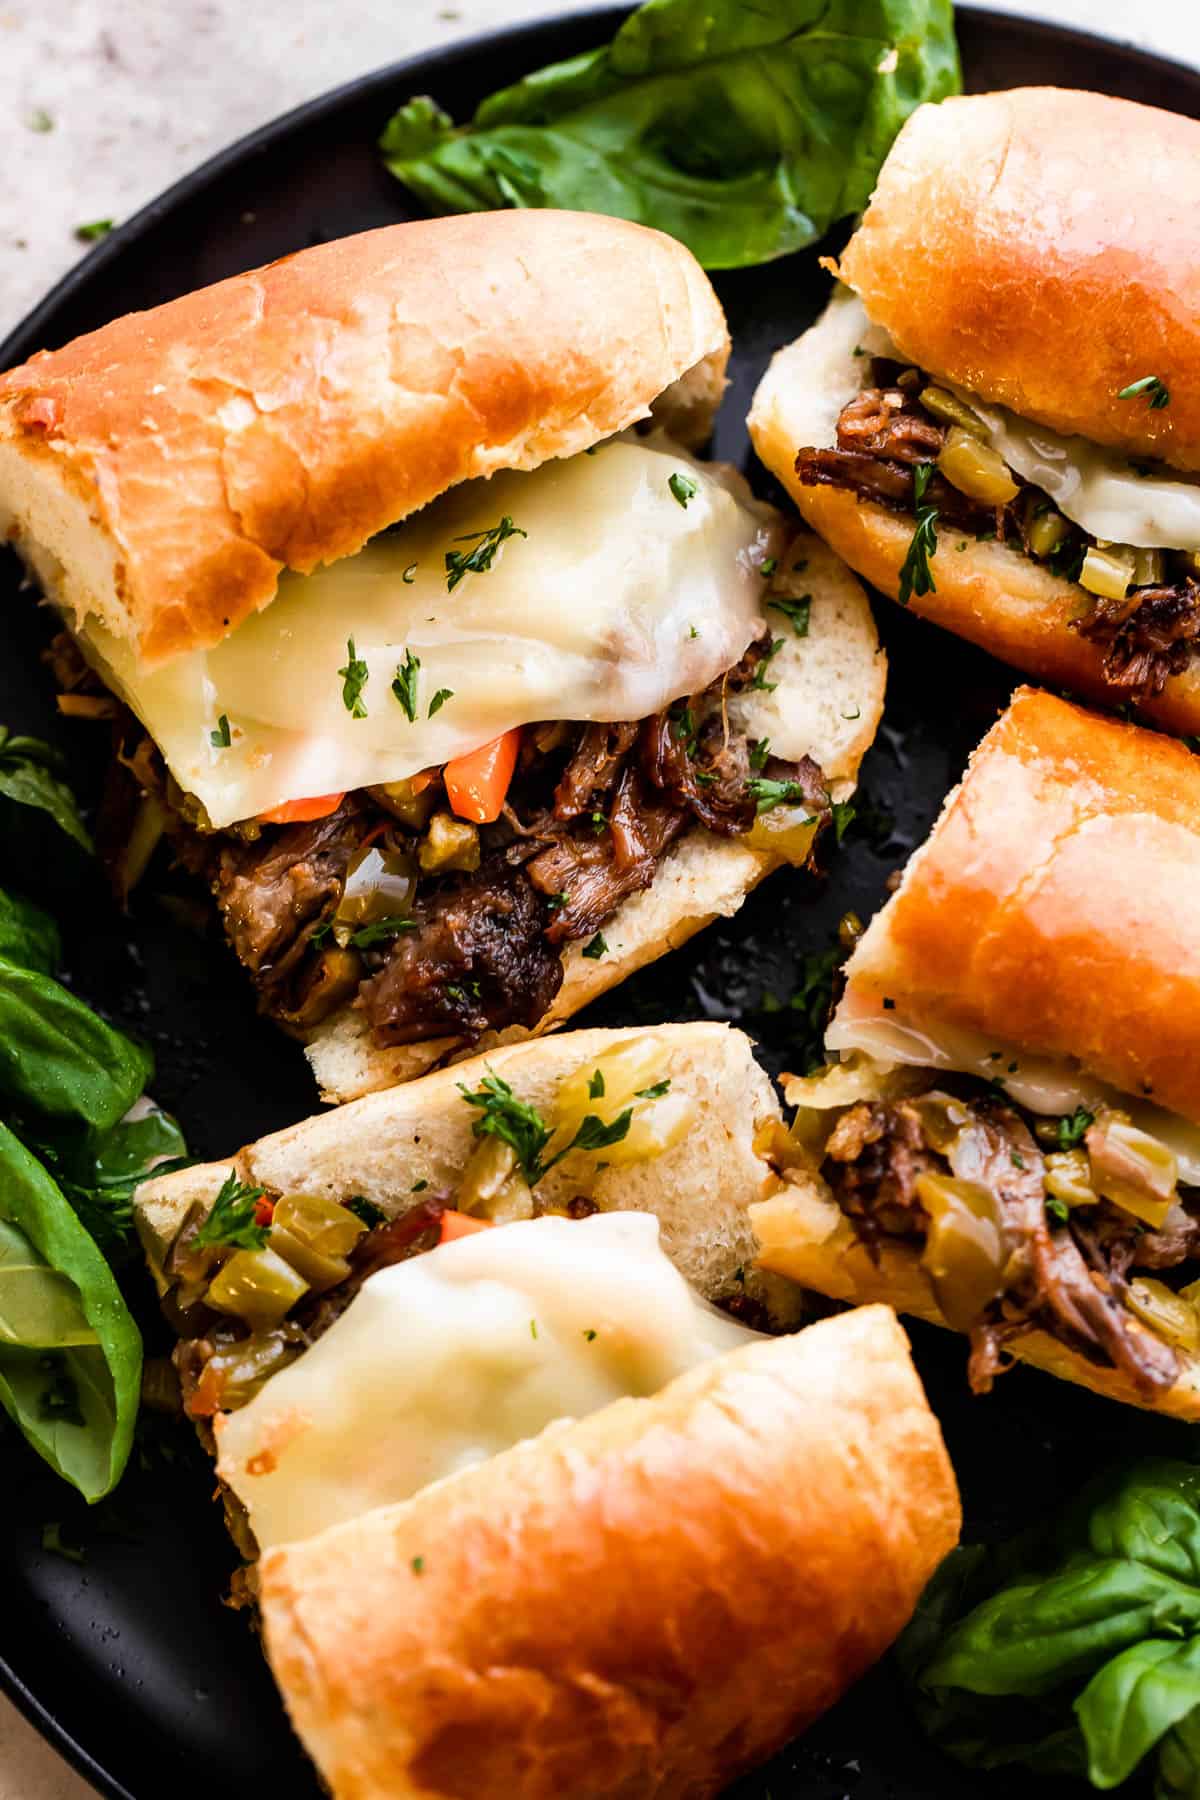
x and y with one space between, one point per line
477 783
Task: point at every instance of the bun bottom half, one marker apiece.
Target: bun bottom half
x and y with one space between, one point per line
803 1235
828 698
985 592
640 1604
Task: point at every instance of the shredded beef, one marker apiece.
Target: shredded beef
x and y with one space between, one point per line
1052 1281
270 895
478 959
589 876
888 422
1145 645
890 484
594 768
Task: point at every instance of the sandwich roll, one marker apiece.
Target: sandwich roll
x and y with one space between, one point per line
1038 383
643 1602
434 650
1010 1141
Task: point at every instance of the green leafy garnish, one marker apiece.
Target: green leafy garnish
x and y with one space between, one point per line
760 749
596 1086
32 773
1056 1209
1155 389
843 817
523 1129
366 1210
39 120
220 739
683 487
595 948
760 681
479 560
96 228
379 930
354 680
916 577
654 1093
796 611
768 794
439 700
810 1005
746 131
232 1219
404 685
1074 1127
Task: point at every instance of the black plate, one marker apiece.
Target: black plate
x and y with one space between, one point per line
128 1661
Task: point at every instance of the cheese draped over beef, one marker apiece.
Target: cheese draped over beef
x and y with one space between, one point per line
445 1360
1097 488
626 592
1047 1085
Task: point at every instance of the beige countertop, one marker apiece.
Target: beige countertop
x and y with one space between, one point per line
104 102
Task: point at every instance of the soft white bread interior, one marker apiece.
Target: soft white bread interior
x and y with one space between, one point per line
397 1147
803 1235
1041 247
985 592
642 1603
160 474
829 698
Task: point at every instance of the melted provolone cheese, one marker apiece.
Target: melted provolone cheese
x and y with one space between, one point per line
618 600
443 1361
1098 488
1042 1084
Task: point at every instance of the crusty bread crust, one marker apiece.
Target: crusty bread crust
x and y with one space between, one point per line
161 473
640 1604
398 1146
1053 907
985 592
829 697
802 1234
1042 248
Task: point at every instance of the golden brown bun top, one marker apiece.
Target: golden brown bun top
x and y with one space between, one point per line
1042 248
281 418
633 1607
1055 905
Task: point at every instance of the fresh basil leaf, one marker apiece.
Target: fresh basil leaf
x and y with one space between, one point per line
743 131
28 936
1150 1512
70 1353
1035 1636
1179 1761
99 1170
1133 1701
59 1061
32 774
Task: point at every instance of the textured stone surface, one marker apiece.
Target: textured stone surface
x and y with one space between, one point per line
136 92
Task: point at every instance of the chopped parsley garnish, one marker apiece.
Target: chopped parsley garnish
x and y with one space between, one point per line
768 566
692 632
439 700
379 930
796 611
533 1328
220 738
760 749
418 1565
366 1210
320 932
354 680
683 487
418 1187
479 560
1058 1210
843 818
595 948
683 730
232 1220
760 682
523 1129
1017 1160
590 1335
1153 386
654 1093
1074 1127
768 794
404 685
40 120
916 577
409 575
599 823
596 1086
97 228
556 902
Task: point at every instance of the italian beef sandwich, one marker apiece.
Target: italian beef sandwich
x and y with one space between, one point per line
430 644
521 1509
1008 1139
997 420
